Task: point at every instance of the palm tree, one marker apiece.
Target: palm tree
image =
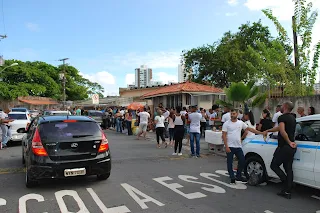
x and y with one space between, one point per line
245 94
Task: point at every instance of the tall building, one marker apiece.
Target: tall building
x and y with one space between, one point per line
143 76
182 75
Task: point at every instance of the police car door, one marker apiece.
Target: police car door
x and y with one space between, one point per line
307 132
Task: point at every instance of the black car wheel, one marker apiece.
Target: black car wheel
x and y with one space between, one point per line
30 183
103 176
255 164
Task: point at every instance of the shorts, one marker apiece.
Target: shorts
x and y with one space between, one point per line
143 127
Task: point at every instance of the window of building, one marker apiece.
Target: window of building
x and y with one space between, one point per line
205 97
188 99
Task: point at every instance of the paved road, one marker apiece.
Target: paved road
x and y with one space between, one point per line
146 179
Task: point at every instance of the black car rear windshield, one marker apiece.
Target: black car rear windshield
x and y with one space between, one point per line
18 116
62 130
95 113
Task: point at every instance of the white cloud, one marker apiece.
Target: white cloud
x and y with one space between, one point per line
231 14
164 77
152 59
32 27
106 80
130 79
233 2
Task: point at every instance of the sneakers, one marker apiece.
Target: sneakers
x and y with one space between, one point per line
242 179
180 154
233 181
174 153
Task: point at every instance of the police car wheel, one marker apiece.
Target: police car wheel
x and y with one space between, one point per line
255 164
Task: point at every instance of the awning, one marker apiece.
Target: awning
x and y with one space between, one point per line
38 102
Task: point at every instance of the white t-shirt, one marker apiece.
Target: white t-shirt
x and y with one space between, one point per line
160 120
183 113
166 114
144 117
212 116
250 134
233 130
195 118
226 117
275 120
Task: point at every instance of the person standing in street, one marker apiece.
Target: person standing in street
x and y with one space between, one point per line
143 123
286 149
128 118
4 121
171 127
227 115
231 135
275 121
160 128
194 117
179 122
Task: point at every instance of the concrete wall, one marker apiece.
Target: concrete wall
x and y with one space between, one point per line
305 102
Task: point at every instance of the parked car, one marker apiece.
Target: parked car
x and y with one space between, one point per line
21 122
96 115
64 147
57 113
21 109
306 164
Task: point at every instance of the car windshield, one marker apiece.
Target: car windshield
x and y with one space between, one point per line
19 110
61 130
95 113
17 116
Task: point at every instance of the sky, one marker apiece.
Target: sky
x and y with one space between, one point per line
107 39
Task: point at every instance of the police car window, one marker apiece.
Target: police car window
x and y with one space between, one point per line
308 131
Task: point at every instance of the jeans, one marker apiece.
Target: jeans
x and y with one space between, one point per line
129 127
6 134
171 134
197 136
160 134
241 161
119 125
284 155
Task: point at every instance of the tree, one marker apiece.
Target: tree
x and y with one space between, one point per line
306 64
243 93
41 79
226 60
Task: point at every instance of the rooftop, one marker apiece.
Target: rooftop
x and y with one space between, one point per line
185 87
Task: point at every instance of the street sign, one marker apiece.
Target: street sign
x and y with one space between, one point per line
95 99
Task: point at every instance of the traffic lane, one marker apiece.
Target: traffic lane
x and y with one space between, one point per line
125 147
170 185
11 157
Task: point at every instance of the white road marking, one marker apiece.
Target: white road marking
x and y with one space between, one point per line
234 186
175 186
104 209
222 172
133 192
315 197
63 206
23 201
3 202
215 189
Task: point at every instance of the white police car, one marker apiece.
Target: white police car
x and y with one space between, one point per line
306 164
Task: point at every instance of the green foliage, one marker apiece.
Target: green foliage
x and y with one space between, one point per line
303 23
259 100
236 57
41 79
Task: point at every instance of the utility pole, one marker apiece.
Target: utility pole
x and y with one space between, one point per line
296 52
64 81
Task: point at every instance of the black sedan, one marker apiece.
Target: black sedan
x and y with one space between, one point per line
63 147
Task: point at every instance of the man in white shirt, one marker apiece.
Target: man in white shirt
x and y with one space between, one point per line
275 120
143 124
4 128
194 118
231 135
227 116
184 111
